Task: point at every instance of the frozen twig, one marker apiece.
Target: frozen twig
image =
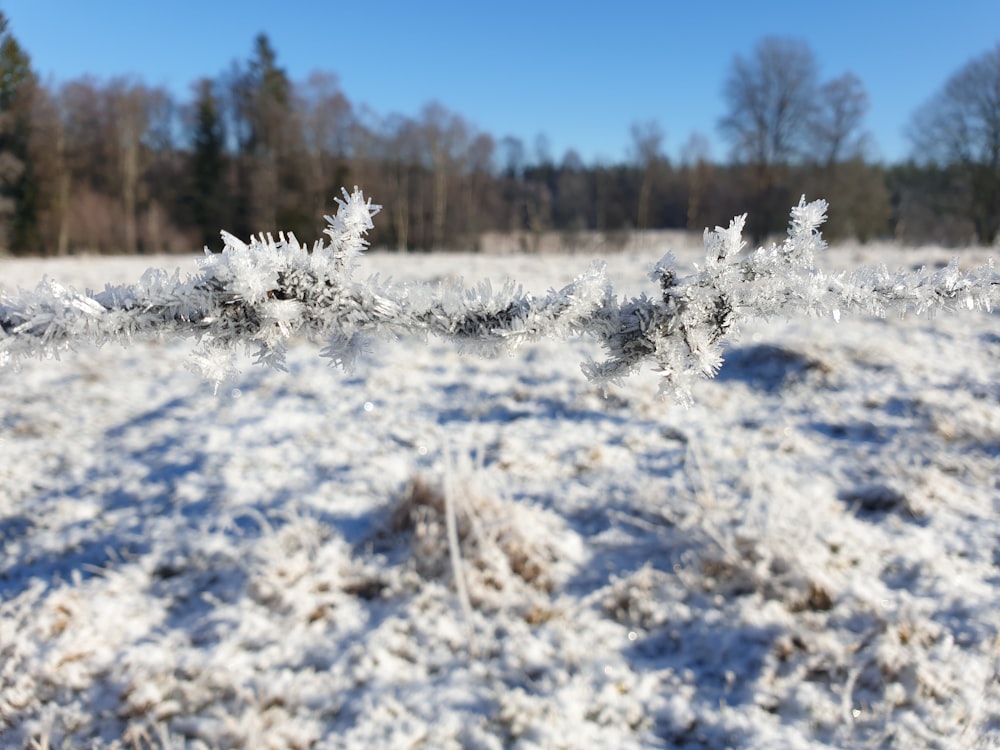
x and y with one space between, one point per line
455 552
260 294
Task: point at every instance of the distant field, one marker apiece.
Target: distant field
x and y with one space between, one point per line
807 558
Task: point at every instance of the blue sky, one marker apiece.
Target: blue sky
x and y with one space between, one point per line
580 72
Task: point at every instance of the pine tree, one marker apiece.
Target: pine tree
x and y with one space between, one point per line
262 94
207 166
18 193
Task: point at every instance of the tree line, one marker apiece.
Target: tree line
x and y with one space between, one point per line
120 166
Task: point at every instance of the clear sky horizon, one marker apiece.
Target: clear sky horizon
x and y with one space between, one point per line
578 72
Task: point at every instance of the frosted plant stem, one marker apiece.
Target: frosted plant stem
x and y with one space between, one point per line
989 693
707 502
847 698
455 551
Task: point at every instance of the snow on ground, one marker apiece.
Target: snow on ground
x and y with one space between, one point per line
807 558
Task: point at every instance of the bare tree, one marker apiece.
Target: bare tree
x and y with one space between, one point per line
327 121
837 168
400 155
128 108
696 159
163 176
91 217
575 196
543 149
647 145
771 99
960 126
512 162
446 138
835 132
477 197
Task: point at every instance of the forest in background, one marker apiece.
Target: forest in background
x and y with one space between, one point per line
111 166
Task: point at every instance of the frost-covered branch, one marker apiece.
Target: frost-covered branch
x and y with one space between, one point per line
260 294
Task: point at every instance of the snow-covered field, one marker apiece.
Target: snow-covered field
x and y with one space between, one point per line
809 557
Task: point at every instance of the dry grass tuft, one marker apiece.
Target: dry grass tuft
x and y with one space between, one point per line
509 550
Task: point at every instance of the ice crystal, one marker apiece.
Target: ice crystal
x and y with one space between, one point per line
261 293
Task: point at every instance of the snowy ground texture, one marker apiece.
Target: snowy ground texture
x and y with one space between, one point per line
807 558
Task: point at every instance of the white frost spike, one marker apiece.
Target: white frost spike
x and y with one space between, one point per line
723 244
807 217
349 226
804 239
343 351
214 364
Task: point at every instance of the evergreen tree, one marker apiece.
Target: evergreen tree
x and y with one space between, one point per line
207 165
18 191
262 94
